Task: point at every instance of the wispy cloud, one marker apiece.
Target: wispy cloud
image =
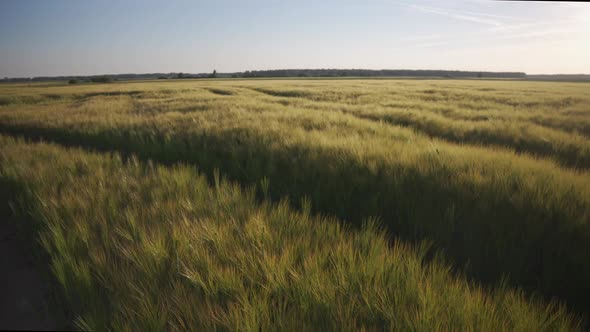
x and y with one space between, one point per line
531 26
539 33
461 15
499 27
494 21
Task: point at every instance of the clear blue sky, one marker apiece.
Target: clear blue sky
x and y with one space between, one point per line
71 37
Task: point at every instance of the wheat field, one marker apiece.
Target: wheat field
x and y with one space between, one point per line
340 204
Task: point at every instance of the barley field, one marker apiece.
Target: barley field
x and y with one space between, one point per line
306 204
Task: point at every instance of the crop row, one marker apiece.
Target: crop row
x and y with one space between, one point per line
141 247
494 212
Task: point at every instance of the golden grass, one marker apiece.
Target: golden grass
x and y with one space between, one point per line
494 173
141 247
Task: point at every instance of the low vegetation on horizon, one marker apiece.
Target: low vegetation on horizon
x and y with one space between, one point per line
307 204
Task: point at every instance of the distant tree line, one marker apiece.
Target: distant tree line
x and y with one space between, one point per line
376 73
183 75
303 73
92 79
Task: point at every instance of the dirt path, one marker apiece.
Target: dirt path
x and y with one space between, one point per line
24 294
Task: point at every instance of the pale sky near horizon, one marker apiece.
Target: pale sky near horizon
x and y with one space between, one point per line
69 37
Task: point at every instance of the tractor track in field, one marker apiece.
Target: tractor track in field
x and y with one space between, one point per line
26 301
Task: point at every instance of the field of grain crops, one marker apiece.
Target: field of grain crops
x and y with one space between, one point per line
306 204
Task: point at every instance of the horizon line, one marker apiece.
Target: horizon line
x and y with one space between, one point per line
281 69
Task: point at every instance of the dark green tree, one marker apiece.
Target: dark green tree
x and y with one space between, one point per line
101 79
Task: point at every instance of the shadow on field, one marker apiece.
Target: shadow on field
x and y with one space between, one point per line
47 98
542 249
221 92
28 300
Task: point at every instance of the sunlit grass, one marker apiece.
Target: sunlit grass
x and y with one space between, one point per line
141 247
492 172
